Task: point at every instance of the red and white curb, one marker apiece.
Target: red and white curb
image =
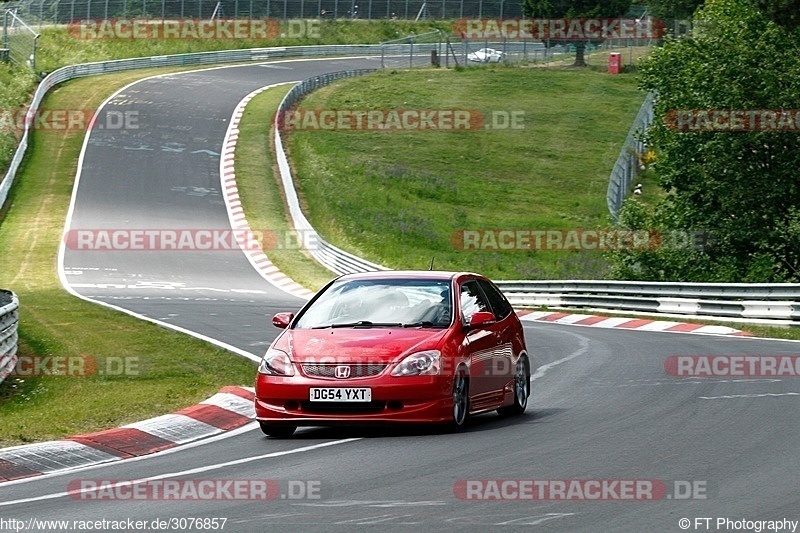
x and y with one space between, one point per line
639 324
230 408
252 249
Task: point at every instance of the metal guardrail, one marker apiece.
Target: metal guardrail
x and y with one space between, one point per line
9 316
331 257
762 301
627 166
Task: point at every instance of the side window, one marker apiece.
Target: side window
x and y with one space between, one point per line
472 300
500 305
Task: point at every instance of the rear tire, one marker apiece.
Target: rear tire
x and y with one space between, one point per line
275 431
522 389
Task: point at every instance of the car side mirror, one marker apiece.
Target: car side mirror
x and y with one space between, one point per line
481 318
282 320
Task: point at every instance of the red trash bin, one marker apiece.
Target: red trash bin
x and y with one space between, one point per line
614 63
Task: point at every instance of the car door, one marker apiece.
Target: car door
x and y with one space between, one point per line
505 358
481 343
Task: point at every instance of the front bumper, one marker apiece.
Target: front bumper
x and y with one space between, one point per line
417 399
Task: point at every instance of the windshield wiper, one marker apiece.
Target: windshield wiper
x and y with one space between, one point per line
360 324
423 324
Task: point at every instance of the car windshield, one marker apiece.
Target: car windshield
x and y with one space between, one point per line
381 303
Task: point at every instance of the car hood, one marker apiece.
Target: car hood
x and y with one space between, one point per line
356 345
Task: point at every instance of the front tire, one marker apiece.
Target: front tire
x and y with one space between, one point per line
277 431
522 389
460 399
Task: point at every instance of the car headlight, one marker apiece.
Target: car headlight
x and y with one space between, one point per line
276 363
427 363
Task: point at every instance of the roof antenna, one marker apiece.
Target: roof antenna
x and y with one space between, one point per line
431 265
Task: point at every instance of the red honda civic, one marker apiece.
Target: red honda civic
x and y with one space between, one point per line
394 346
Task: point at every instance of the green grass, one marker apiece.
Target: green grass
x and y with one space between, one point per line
262 199
175 370
397 197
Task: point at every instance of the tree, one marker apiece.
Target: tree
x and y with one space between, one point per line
575 9
741 186
783 12
671 9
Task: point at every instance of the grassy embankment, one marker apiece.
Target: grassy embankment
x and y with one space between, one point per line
401 198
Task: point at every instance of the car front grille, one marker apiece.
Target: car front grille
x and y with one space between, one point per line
357 370
343 408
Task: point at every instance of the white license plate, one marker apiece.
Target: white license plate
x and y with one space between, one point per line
340 394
